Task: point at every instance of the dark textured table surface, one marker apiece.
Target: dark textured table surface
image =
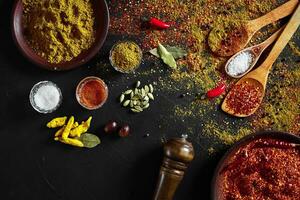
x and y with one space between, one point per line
34 166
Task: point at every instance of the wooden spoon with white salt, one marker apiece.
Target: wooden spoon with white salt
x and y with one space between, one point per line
243 61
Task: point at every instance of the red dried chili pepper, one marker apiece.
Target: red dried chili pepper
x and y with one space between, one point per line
156 23
217 91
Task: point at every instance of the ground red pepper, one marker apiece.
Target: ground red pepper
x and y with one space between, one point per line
92 93
261 173
244 98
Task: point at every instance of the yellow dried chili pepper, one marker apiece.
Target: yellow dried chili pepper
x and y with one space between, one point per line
60 131
57 122
66 132
70 141
82 128
75 125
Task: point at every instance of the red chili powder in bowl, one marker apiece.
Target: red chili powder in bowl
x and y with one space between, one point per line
263 169
91 93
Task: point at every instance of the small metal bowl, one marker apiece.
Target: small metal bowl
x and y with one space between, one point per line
101 29
82 83
35 89
119 69
216 181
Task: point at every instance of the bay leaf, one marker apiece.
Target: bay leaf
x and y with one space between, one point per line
166 56
154 52
89 140
176 52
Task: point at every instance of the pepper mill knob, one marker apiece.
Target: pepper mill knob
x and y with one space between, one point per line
178 153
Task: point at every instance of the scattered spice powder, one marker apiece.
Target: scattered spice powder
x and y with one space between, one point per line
227 134
295 48
59 30
211 151
202 70
228 38
281 111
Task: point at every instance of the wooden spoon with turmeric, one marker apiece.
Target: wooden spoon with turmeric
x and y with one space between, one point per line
227 40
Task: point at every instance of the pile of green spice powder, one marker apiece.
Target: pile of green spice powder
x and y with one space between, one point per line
201 70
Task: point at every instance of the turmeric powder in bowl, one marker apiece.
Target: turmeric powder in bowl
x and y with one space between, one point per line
59 30
125 56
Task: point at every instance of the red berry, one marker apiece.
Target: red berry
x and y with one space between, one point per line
124 131
111 127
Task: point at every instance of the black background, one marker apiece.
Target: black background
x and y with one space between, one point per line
34 166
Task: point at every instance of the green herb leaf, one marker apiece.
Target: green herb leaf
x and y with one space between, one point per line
89 140
176 52
166 56
154 52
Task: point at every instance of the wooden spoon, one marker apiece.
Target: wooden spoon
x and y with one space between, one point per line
255 51
258 78
238 36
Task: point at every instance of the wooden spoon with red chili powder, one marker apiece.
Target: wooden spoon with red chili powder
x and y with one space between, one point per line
246 96
231 38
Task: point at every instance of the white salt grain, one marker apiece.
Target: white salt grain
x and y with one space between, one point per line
240 63
45 97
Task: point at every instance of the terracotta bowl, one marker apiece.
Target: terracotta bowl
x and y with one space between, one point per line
101 27
228 155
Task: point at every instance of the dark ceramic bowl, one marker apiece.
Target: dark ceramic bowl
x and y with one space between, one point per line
101 27
228 155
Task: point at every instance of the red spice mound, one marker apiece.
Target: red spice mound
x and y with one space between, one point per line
262 172
244 98
234 42
92 93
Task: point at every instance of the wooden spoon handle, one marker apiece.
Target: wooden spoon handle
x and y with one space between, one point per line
283 39
272 38
272 16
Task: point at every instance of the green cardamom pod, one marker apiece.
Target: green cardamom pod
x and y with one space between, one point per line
126 103
150 95
146 89
138 84
122 97
128 92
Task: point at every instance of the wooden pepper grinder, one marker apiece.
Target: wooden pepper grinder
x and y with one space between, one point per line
178 153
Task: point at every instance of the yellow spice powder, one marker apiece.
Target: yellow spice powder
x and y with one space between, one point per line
59 30
126 56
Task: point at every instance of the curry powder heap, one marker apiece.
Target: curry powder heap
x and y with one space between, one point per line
59 30
126 56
